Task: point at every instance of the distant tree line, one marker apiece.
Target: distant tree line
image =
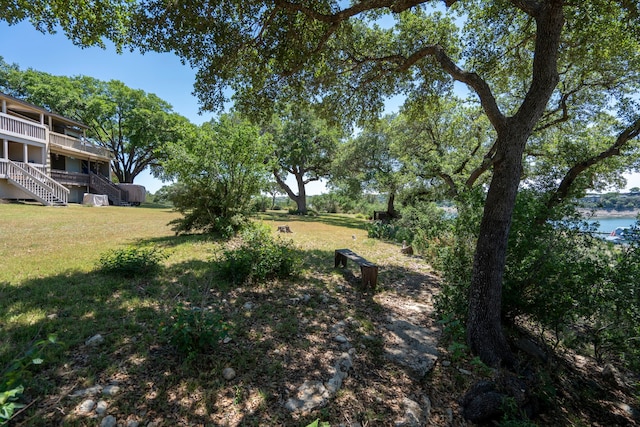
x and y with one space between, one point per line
613 201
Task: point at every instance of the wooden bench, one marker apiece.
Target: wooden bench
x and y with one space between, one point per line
368 269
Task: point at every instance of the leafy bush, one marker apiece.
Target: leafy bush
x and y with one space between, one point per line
453 257
194 331
427 223
558 276
258 258
12 377
131 261
260 204
389 231
219 169
422 226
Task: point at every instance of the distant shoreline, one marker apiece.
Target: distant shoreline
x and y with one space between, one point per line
603 213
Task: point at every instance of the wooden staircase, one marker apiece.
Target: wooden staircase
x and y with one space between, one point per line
101 185
37 184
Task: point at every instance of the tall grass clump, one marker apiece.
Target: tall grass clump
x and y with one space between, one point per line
194 330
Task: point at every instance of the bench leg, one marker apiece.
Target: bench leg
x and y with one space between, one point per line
369 277
340 260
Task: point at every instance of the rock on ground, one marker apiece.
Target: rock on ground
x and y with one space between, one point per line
108 421
411 346
315 394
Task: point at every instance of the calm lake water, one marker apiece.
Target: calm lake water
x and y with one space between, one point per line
607 225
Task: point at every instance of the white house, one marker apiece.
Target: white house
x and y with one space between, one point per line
46 157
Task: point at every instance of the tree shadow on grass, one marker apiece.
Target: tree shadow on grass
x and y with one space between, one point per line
127 313
337 220
181 239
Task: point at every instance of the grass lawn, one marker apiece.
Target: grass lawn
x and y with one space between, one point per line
282 332
49 284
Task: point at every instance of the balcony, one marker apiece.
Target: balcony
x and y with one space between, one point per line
76 144
22 129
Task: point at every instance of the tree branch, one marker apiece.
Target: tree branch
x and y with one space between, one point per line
473 80
395 6
284 186
572 174
487 162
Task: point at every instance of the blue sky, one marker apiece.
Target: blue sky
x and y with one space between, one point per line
161 74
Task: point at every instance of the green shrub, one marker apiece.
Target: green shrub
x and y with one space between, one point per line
194 330
258 258
425 224
452 254
131 261
260 204
573 286
389 231
422 226
12 377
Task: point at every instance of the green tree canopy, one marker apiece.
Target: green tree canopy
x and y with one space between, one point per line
304 148
369 162
531 64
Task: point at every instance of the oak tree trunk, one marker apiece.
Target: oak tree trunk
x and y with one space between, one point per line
484 328
391 209
301 198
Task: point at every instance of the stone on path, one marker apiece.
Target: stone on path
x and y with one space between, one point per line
86 406
111 390
310 395
87 391
415 415
341 339
411 346
314 394
101 407
108 421
95 340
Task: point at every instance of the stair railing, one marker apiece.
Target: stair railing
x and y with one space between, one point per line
104 186
39 184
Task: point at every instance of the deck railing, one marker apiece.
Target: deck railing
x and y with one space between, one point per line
67 141
70 178
23 128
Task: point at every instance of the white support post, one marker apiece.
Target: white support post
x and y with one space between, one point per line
25 153
5 148
42 119
4 106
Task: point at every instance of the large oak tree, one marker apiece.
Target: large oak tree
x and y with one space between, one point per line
304 146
